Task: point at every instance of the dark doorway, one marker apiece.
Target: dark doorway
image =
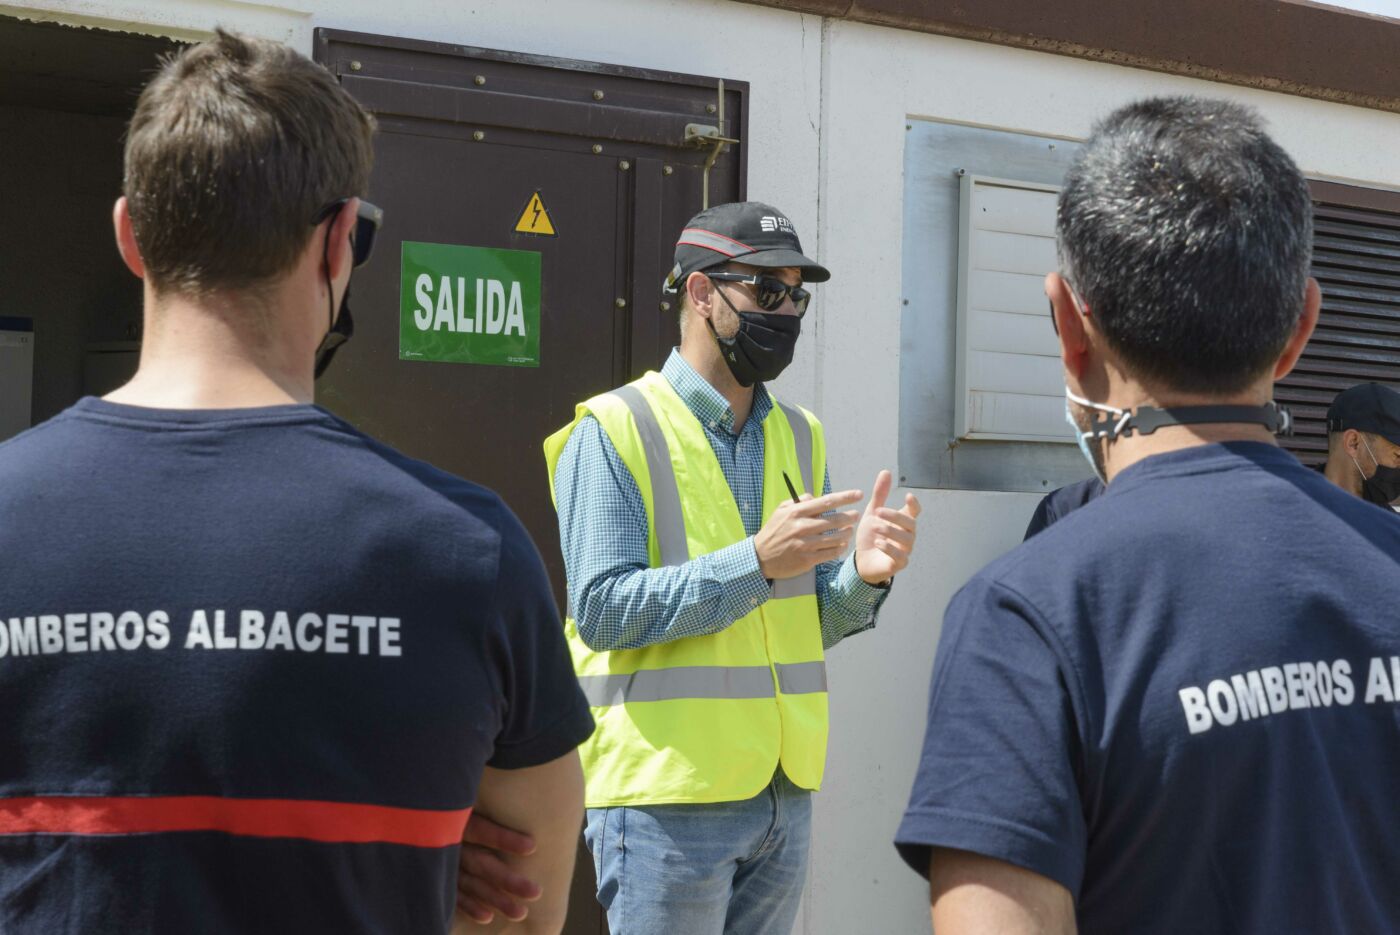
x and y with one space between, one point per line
467 139
65 96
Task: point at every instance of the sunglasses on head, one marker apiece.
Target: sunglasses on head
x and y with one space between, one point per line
367 221
769 291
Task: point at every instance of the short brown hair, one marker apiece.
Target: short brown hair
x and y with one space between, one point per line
234 147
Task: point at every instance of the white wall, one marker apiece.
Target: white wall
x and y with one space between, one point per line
829 104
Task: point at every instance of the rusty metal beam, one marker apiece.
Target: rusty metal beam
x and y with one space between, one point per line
1289 46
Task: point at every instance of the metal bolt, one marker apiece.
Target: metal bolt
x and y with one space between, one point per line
667 170
624 165
620 303
597 149
665 306
479 80
478 135
710 108
355 66
597 95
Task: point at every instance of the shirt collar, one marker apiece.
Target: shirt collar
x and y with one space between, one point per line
707 403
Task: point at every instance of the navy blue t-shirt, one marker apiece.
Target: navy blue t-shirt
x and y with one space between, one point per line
252 665
1179 702
1059 503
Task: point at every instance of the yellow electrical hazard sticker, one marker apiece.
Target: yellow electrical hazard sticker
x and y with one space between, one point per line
535 219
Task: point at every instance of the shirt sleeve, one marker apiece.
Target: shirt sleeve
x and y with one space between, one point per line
845 603
546 714
616 599
998 774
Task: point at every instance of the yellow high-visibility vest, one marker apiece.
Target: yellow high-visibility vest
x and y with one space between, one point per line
705 718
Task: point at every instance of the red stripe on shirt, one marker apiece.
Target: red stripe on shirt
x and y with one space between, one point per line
331 822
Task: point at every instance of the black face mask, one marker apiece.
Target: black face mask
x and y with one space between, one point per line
762 348
1383 486
340 332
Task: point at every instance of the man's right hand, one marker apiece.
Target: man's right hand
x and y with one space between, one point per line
797 537
486 884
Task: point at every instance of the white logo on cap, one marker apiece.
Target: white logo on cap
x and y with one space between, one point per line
769 224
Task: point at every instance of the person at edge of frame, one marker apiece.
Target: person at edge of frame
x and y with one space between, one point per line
1363 443
1059 503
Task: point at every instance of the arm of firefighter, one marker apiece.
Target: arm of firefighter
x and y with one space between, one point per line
546 803
974 895
617 600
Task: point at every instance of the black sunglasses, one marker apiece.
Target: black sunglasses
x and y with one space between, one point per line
769 291
367 221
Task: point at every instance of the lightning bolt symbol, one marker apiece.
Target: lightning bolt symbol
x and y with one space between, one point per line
538 206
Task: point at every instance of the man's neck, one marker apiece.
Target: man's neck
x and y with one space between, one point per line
702 353
1128 450
1340 471
213 355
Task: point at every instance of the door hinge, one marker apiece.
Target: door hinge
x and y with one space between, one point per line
705 136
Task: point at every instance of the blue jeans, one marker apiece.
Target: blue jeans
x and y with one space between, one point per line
732 868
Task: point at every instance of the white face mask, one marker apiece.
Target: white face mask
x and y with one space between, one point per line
1083 436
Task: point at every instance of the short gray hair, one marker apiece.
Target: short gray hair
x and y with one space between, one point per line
1188 233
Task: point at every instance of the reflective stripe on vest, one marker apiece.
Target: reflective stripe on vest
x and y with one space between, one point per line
802 678
666 496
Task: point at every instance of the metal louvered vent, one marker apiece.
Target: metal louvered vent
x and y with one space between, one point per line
1356 261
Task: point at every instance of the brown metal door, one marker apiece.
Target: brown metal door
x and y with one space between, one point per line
466 138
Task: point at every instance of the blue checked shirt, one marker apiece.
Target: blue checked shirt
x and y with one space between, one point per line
618 600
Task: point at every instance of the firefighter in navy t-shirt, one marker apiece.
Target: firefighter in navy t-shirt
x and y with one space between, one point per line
257 669
1174 710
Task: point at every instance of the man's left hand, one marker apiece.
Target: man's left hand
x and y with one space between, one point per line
885 537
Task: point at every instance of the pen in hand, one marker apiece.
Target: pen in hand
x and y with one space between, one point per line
791 489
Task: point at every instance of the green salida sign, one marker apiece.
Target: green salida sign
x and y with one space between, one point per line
469 305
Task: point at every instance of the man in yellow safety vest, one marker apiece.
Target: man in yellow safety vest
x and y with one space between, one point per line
706 577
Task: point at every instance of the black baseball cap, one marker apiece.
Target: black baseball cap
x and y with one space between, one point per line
1367 407
741 232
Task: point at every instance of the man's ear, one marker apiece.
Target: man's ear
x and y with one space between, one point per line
1351 442
1312 305
1070 324
340 256
701 291
126 238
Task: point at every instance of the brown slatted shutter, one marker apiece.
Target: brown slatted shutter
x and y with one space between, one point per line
1356 260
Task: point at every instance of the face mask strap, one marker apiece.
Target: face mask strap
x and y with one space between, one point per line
1374 460
1357 465
1147 419
1100 427
737 314
330 286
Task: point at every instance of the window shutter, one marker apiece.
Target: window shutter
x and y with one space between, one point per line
1010 383
1356 261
